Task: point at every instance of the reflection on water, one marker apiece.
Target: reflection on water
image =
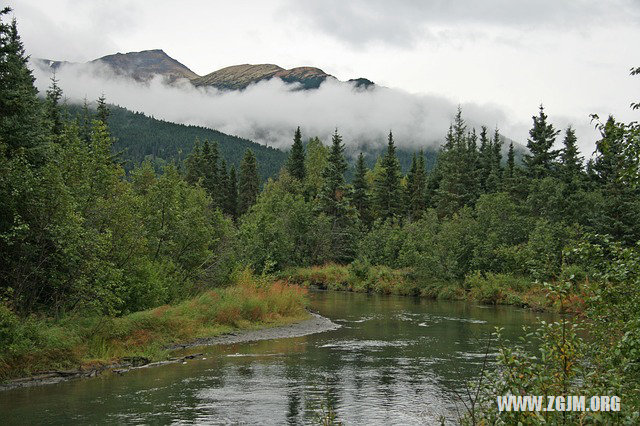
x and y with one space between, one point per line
395 360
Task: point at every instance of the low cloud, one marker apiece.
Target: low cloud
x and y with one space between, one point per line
268 112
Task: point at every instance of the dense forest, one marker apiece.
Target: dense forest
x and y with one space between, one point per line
138 137
80 237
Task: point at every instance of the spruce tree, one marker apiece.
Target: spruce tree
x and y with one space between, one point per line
102 111
360 198
495 167
570 160
507 183
456 166
84 121
248 182
20 125
295 162
53 108
223 186
541 159
194 164
210 173
416 187
387 194
620 217
485 158
232 194
334 202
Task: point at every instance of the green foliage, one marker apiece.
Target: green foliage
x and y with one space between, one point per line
387 192
248 182
540 162
334 202
141 137
361 198
295 162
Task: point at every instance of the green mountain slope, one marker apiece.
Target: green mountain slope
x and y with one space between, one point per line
139 137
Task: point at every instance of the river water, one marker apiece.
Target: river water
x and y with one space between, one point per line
395 360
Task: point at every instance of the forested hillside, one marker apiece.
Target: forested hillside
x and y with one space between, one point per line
139 137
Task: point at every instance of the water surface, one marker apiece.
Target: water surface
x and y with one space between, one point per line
395 360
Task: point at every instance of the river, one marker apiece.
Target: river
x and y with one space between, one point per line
395 360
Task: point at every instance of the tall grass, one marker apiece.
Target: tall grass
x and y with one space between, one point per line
39 344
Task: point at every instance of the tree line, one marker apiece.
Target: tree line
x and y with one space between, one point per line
77 231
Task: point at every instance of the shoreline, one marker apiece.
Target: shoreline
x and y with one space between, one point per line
315 324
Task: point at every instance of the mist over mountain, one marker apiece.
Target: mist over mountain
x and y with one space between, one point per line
265 103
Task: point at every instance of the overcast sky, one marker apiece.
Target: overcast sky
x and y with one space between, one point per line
574 56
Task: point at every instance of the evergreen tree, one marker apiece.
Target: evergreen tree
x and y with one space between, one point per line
248 182
295 163
232 194
495 170
511 161
570 160
211 173
194 164
334 202
360 196
102 111
540 161
387 194
485 158
416 187
457 167
223 187
84 122
20 126
53 108
621 209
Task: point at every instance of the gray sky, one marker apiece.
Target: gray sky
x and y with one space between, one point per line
505 55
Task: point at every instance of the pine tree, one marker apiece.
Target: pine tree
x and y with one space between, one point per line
541 160
53 108
360 198
210 173
295 162
20 126
102 111
621 212
84 122
472 159
495 170
456 168
387 194
334 202
194 164
248 182
485 158
416 187
223 186
570 160
232 194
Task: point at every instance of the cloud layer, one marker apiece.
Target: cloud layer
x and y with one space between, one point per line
268 112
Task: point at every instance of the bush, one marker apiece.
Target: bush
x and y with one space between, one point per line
496 289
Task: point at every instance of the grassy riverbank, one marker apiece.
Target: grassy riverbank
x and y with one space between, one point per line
41 344
491 289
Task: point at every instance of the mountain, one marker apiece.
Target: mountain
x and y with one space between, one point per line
140 137
144 65
238 77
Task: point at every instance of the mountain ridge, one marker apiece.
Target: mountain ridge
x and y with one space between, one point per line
144 65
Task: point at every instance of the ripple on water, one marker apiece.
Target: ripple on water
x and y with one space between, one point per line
351 345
